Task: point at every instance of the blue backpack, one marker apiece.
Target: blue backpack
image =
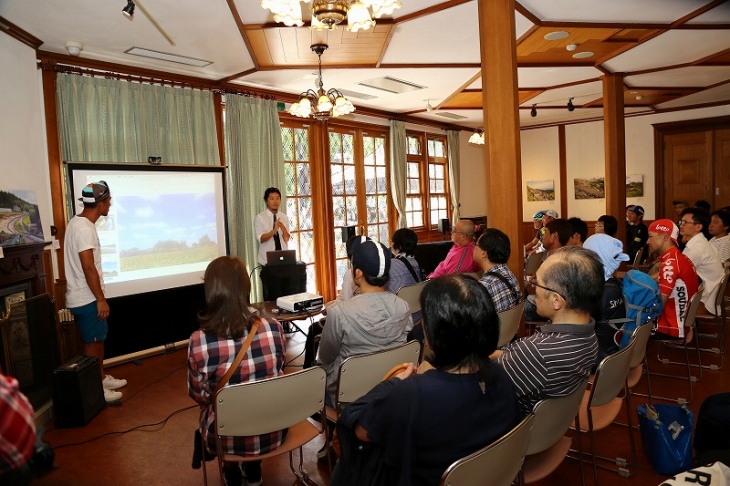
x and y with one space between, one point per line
643 304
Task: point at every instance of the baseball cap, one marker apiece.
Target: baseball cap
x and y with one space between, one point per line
665 226
552 213
372 257
353 243
94 192
636 209
609 250
538 215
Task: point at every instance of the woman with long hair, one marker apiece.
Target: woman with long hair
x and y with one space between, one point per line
224 326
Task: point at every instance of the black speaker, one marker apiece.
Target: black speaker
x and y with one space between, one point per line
444 225
78 394
347 233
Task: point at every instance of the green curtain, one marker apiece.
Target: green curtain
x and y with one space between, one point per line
255 161
452 138
111 120
398 169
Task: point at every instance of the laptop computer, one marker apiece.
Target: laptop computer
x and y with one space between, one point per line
281 257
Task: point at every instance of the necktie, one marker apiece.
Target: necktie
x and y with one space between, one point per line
277 241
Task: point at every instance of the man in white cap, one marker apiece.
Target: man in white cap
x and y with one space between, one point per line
677 278
372 320
85 283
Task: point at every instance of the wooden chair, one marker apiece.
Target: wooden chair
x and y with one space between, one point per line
509 323
602 403
260 407
496 464
549 445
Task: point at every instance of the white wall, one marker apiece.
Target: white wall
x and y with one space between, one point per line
473 178
23 158
584 159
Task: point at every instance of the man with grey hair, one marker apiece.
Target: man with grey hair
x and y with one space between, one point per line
554 361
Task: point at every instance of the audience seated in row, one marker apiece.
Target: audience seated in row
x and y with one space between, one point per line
491 253
535 243
421 423
636 231
579 231
607 224
459 259
404 269
719 228
693 228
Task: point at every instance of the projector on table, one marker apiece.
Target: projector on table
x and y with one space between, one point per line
300 302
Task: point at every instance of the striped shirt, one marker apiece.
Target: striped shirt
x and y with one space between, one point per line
210 356
552 362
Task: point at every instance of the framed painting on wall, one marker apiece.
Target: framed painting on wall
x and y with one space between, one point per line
590 188
540 190
635 185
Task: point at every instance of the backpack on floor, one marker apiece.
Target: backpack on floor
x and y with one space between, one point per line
643 304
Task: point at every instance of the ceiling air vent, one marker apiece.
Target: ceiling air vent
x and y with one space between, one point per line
357 94
391 85
452 116
163 56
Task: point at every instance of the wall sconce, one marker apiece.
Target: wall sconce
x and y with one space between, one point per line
477 138
570 105
533 111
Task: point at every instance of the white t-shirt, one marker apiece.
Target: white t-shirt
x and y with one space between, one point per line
81 235
708 267
263 224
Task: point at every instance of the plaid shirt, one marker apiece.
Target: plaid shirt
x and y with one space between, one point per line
504 297
17 428
209 357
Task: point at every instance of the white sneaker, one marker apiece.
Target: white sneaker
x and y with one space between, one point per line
111 383
112 396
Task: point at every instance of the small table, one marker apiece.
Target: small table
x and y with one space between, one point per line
266 310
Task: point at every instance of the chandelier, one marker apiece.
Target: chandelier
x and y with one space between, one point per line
327 104
477 138
330 13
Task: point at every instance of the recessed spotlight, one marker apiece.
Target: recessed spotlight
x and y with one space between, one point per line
557 35
571 47
639 97
583 55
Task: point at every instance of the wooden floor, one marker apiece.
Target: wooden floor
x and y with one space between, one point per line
148 440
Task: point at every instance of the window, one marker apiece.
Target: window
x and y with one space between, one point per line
298 190
427 188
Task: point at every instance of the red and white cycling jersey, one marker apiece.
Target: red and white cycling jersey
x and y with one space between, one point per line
678 281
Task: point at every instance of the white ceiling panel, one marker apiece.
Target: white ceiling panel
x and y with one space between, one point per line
712 95
623 11
689 77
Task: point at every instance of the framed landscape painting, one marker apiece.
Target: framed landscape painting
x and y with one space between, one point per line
540 190
635 185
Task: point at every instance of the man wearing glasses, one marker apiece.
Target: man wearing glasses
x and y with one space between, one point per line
459 259
693 226
556 359
676 277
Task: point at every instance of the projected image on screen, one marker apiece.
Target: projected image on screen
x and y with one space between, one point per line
163 227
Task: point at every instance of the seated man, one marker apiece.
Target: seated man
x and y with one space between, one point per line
610 251
371 321
579 231
535 243
676 276
459 259
607 224
491 254
692 226
636 231
556 359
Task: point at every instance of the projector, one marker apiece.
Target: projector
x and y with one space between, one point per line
300 302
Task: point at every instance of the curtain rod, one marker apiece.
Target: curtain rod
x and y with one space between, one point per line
61 68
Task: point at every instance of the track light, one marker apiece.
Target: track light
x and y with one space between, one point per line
570 105
533 111
128 11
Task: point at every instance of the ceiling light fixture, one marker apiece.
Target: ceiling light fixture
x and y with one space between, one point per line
477 138
571 107
128 11
332 12
327 104
533 111
74 48
429 108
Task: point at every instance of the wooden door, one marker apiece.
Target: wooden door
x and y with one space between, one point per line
722 169
688 163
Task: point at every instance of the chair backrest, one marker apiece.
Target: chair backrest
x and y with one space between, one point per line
553 417
359 374
534 260
694 303
412 295
641 334
509 322
496 464
719 300
637 259
263 406
610 376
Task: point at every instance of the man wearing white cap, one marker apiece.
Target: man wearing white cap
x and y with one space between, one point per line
677 278
85 283
372 320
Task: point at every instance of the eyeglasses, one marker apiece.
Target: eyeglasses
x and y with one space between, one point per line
534 283
682 222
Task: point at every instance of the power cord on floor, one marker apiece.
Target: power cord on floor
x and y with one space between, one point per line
122 432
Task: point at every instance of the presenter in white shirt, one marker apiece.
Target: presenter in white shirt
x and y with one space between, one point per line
271 225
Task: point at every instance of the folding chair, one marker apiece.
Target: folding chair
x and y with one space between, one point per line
412 295
509 323
260 407
602 403
720 318
549 445
496 464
